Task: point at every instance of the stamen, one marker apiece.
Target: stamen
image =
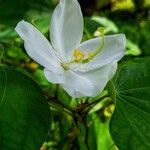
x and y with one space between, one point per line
101 45
81 57
65 66
78 55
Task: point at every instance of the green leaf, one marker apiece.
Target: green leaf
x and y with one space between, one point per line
130 123
24 112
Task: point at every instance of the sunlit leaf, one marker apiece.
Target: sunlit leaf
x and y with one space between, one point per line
123 5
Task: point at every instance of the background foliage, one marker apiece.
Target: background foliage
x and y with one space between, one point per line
26 116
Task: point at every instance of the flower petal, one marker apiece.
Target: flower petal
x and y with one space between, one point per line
66 27
90 83
54 77
112 71
113 50
37 46
77 85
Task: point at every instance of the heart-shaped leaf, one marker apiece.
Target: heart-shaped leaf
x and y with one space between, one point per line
24 112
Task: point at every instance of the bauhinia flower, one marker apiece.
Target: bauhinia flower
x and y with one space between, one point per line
81 69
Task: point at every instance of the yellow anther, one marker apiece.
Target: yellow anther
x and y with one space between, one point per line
78 55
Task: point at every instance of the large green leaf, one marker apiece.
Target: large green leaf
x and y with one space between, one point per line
130 123
24 113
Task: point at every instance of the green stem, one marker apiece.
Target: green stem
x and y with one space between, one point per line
103 100
103 104
98 100
60 108
79 113
86 134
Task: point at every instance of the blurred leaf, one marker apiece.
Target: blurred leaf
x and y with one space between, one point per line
130 123
123 5
147 3
41 5
103 3
136 32
132 49
12 11
108 24
43 24
7 33
16 53
90 25
40 78
139 4
41 20
145 36
1 51
24 113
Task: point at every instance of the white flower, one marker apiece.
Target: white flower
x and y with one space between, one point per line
81 69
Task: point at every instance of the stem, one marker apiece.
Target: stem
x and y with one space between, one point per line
102 100
103 104
97 101
86 135
60 108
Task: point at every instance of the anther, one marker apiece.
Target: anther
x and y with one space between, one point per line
81 57
78 55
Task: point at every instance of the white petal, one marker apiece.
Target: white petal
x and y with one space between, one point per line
89 83
77 85
37 46
66 27
54 77
113 50
112 71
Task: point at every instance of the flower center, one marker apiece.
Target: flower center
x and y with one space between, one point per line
79 56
